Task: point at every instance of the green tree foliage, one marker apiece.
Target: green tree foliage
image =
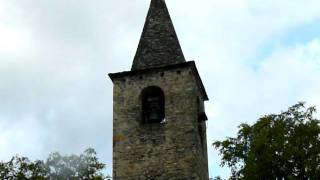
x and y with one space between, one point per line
216 178
277 146
56 167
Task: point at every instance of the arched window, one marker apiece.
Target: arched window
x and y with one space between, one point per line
152 105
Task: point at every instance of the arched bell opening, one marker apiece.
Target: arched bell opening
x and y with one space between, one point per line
152 105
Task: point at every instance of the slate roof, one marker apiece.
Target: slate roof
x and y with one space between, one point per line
159 45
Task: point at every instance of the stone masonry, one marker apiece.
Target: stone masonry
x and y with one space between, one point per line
176 148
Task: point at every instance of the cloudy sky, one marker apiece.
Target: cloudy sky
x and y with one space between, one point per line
254 56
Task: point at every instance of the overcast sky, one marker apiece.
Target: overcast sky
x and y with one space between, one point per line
254 56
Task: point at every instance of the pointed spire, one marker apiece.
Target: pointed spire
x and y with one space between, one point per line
159 45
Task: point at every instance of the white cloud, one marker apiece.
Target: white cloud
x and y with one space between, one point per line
16 38
235 30
54 57
13 41
288 75
13 138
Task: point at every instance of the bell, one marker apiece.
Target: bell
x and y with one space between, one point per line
154 109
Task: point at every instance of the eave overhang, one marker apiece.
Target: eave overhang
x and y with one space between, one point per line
191 64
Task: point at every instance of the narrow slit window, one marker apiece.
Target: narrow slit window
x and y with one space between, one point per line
200 110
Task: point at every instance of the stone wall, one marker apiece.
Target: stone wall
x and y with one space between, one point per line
171 150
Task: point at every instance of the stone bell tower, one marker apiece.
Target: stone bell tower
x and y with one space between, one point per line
159 129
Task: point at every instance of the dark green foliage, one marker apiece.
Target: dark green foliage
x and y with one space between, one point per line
278 146
216 178
56 167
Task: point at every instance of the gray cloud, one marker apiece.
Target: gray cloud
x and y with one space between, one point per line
55 56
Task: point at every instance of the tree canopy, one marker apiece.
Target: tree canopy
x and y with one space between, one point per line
56 167
277 146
